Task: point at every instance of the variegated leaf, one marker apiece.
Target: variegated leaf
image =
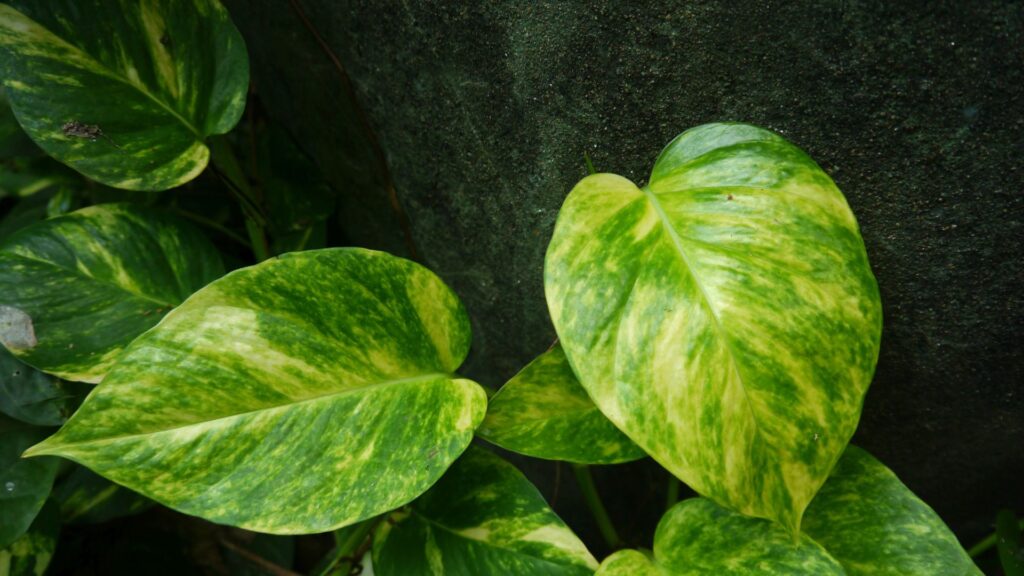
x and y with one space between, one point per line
24 484
544 412
483 518
30 554
86 497
33 397
875 526
303 394
124 91
724 316
76 289
698 537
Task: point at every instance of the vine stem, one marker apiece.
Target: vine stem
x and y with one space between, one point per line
347 541
593 499
226 166
672 494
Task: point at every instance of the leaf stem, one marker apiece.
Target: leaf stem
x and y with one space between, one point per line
210 224
226 165
986 543
347 540
593 499
672 494
590 165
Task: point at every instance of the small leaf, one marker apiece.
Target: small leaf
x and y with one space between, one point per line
30 396
874 525
124 92
30 554
544 412
306 393
24 484
482 518
75 290
698 537
724 316
87 498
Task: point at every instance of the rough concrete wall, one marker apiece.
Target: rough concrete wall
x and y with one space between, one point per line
483 112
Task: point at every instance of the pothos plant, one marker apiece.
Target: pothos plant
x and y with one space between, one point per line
722 319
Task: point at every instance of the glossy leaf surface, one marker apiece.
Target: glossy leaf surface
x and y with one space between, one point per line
75 290
124 91
30 554
28 395
483 518
544 412
299 395
724 316
874 525
24 484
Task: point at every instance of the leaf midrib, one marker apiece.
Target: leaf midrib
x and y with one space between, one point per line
276 407
706 299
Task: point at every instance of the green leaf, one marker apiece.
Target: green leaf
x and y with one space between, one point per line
30 396
1009 543
87 498
75 290
13 140
482 518
544 412
874 525
30 554
724 316
306 393
698 537
24 484
125 92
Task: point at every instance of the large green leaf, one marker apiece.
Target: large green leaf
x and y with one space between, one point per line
124 91
724 316
875 526
30 554
544 412
483 518
86 497
305 393
75 290
24 484
31 396
698 537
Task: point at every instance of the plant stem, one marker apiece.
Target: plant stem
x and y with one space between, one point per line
986 543
230 170
604 522
672 494
210 224
347 541
590 165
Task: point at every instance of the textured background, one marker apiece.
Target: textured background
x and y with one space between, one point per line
453 133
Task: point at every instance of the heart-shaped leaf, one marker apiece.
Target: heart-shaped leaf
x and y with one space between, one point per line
864 521
75 290
544 412
875 526
24 484
482 518
124 91
303 394
698 537
724 316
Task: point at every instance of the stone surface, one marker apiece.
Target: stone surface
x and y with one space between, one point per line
483 112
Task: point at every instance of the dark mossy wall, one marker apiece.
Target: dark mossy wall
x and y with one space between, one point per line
481 112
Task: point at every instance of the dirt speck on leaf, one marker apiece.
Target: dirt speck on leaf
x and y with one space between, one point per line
16 330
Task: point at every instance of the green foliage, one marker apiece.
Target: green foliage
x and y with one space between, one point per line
722 319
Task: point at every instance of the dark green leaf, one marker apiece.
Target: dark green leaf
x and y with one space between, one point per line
33 397
24 484
483 518
75 290
124 91
86 497
544 412
30 554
